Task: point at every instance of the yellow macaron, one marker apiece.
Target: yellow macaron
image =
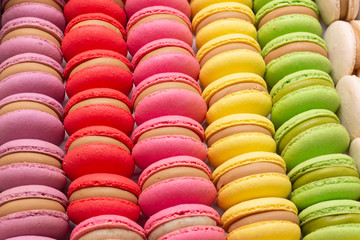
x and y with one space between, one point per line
198 5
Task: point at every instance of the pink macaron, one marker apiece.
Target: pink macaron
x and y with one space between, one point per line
166 223
38 10
133 6
196 232
31 161
30 238
105 226
143 27
58 4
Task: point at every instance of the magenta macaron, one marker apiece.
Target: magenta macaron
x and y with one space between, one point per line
133 6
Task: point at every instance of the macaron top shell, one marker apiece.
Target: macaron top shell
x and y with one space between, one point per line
31 238
198 5
104 180
105 222
134 6
168 121
60 3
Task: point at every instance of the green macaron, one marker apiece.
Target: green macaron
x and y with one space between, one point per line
293 62
288 24
311 134
329 213
326 166
337 232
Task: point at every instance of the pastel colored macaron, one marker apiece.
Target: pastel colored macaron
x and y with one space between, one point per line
208 232
226 43
343 62
167 134
237 93
229 62
133 6
338 10
176 191
221 11
98 158
98 134
34 210
99 106
29 62
31 238
246 177
336 232
108 227
236 134
35 36
178 217
35 82
354 151
108 7
171 24
173 167
58 4
223 27
37 10
198 5
29 162
265 218
102 194
313 133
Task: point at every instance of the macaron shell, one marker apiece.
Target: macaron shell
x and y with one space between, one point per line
52 224
99 114
176 191
337 232
133 6
29 123
100 76
354 151
30 238
267 230
36 82
166 102
198 5
83 209
167 62
196 232
157 29
91 37
98 157
157 148
316 141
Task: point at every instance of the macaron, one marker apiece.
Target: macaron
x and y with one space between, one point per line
133 6
107 7
225 43
223 27
164 22
325 166
167 134
98 134
90 37
98 158
31 162
179 166
311 134
35 36
222 10
31 238
236 134
208 232
278 8
175 191
354 151
264 218
340 212
198 5
178 217
250 176
336 232
37 10
99 106
58 4
229 62
108 227
30 124
338 10
30 62
344 62
35 210
293 42
237 93
102 194
288 24
35 82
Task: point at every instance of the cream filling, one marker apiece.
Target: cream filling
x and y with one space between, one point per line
169 131
31 31
92 101
51 3
29 157
111 233
344 7
103 191
98 23
120 3
100 61
97 139
27 105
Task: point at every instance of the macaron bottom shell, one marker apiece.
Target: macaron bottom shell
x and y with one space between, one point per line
337 232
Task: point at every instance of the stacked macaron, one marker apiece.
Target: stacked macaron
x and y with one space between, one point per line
176 187
249 175
31 115
98 120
